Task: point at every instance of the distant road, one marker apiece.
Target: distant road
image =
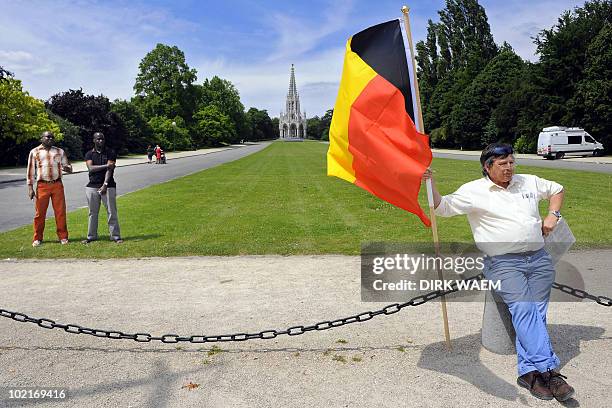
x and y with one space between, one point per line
596 164
16 210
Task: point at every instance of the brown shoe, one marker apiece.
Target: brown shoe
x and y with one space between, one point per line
560 389
535 383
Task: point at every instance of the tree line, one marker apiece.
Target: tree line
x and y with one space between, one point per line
169 108
474 92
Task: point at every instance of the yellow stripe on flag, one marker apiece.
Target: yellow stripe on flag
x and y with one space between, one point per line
356 75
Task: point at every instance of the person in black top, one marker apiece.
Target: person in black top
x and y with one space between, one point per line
150 153
101 165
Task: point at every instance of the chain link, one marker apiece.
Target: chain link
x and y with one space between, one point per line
270 334
582 294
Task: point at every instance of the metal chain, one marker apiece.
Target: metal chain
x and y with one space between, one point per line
579 293
270 334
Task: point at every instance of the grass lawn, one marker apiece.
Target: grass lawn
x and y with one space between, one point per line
280 201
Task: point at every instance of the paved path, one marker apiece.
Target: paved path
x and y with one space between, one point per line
15 174
389 361
132 174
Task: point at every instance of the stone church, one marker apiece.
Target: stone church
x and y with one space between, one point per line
292 122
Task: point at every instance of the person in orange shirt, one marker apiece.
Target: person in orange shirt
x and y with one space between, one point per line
45 166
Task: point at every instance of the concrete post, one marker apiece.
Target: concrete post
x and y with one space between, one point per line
498 334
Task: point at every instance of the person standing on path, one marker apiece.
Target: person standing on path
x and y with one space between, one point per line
45 165
158 151
502 209
150 152
101 162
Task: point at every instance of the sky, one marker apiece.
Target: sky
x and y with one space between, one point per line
53 46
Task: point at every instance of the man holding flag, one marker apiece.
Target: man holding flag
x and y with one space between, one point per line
377 143
502 209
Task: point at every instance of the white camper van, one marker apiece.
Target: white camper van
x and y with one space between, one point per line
557 141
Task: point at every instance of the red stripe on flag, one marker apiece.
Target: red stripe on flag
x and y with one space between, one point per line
389 154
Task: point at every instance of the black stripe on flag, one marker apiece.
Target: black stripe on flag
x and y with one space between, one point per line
382 48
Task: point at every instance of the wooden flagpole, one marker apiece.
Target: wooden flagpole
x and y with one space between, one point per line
432 215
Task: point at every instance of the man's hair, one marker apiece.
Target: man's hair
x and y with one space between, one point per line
98 133
492 152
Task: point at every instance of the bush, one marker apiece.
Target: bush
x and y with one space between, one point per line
525 144
439 137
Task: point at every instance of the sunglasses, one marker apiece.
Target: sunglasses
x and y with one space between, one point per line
502 150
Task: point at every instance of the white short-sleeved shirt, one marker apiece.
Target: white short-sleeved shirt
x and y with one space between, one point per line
503 220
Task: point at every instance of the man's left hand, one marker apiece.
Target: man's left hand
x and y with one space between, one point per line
549 224
102 190
67 168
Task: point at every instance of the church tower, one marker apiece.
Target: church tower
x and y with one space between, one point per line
292 122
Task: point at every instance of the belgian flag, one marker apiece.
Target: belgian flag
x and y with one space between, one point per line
374 142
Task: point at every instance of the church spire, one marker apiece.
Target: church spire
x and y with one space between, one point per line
292 87
292 106
292 122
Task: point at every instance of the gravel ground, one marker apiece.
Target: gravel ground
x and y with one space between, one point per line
390 361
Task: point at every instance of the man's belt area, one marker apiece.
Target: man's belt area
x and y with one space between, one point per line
59 180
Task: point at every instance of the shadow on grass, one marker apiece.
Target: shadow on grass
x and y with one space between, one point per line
129 238
136 238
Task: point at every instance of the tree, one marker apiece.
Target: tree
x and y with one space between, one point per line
164 84
138 132
22 119
261 124
470 118
427 60
91 114
521 113
563 51
313 128
4 74
170 134
326 123
469 35
224 95
570 85
444 62
71 142
592 102
455 51
275 128
213 127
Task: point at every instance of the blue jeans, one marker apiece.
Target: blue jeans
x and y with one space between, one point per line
526 280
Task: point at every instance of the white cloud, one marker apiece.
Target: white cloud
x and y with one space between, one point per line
297 36
16 56
64 45
265 85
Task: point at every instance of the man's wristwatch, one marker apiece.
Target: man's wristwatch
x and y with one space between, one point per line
556 214
106 184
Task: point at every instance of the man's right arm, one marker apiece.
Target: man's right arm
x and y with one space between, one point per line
30 176
457 203
95 168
